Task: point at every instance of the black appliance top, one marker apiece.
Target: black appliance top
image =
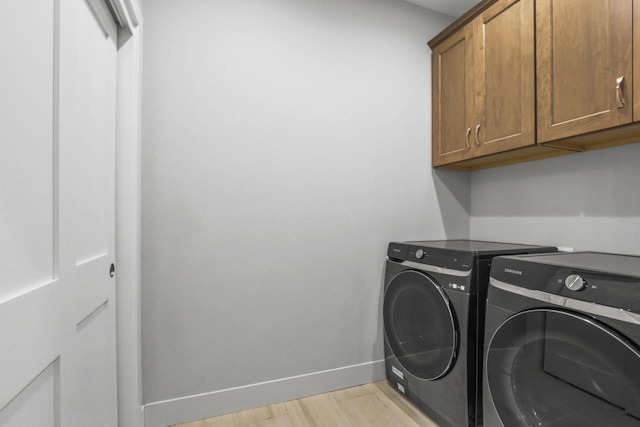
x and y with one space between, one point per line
457 254
479 247
602 278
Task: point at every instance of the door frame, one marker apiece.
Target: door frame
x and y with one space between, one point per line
128 143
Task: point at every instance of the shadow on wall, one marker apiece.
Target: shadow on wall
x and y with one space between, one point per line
454 198
600 183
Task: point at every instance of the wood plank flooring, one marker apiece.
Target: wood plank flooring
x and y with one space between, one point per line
369 405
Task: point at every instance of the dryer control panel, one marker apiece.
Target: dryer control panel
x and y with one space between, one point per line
443 258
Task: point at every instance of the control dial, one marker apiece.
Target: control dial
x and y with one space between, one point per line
419 253
574 282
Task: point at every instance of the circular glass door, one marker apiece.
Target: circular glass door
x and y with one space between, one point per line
557 368
419 325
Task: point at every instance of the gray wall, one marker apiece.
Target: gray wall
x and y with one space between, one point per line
285 142
588 201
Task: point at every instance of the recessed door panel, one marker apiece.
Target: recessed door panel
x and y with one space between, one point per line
38 404
584 66
27 160
92 364
88 133
580 60
505 82
453 113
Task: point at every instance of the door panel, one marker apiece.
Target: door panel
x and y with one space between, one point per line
636 59
453 98
585 92
31 333
57 299
505 82
26 117
91 363
581 52
90 138
37 404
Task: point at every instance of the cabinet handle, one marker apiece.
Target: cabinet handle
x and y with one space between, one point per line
477 140
467 140
619 95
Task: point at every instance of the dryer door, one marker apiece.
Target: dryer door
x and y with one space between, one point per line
419 325
547 367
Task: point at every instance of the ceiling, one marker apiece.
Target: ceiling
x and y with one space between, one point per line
455 8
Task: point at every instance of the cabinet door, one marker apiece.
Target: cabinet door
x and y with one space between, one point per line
584 66
636 59
504 77
452 87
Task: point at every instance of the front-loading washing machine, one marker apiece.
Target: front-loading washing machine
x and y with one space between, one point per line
434 295
563 341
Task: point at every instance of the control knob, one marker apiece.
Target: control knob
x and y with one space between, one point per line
574 282
419 253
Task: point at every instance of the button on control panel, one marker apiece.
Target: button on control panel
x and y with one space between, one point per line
574 282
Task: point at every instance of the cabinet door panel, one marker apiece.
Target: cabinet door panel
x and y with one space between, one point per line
581 52
505 90
452 98
636 59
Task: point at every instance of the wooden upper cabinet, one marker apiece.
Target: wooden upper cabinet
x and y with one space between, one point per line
584 66
504 77
636 59
452 73
517 80
484 85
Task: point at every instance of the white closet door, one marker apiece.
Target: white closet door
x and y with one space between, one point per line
57 139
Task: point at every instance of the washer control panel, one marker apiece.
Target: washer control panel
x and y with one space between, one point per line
575 282
614 280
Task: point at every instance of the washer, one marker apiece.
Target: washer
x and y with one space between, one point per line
434 294
563 341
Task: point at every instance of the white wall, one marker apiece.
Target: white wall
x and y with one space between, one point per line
588 201
285 143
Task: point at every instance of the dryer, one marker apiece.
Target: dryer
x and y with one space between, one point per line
434 294
563 341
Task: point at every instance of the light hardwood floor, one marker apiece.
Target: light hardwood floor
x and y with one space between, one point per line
370 405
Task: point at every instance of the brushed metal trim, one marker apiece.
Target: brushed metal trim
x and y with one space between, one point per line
619 97
574 304
434 269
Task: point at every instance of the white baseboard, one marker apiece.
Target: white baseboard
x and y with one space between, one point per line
184 409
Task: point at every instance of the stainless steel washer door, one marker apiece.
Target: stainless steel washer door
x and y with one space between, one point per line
419 325
548 367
